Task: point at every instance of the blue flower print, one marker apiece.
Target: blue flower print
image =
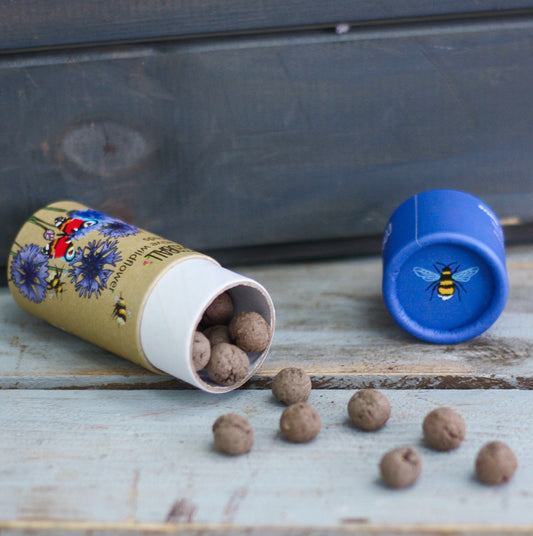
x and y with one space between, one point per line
118 229
104 224
29 271
89 270
89 214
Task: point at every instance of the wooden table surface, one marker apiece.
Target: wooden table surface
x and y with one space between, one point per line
92 444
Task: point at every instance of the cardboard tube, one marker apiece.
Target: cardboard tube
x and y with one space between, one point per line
124 289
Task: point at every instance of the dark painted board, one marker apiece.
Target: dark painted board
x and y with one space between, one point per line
243 142
34 23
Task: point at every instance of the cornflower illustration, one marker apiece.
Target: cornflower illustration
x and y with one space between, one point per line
89 214
117 229
89 270
29 272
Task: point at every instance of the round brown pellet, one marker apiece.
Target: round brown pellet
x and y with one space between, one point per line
401 467
233 434
300 423
217 334
369 409
496 463
250 331
201 351
444 429
291 385
219 311
228 364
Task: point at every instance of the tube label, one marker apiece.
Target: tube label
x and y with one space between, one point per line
90 274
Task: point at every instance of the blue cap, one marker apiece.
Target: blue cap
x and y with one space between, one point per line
444 274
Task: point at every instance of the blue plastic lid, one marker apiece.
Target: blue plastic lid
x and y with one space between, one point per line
444 276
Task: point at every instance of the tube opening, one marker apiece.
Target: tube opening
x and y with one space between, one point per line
246 297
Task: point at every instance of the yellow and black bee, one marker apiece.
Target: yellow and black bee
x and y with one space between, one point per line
120 312
446 279
55 285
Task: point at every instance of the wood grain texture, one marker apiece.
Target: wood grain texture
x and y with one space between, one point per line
30 23
144 461
331 321
280 139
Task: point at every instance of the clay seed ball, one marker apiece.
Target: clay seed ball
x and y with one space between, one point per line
496 463
233 434
444 429
250 331
291 385
201 351
300 423
228 364
220 310
401 467
369 409
217 334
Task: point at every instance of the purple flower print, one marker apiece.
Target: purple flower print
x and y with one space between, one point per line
29 271
89 270
118 229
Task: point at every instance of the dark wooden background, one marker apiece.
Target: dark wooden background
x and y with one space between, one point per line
263 130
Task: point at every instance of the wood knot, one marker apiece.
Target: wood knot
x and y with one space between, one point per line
104 148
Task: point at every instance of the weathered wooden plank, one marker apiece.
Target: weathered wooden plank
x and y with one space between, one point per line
144 461
192 139
30 23
331 321
125 529
58 528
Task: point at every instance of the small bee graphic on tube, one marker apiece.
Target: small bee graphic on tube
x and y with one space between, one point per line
55 285
445 279
120 312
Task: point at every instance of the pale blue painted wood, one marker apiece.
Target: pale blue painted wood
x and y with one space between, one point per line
141 461
331 321
140 458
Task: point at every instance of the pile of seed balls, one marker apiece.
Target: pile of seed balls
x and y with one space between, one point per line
223 340
443 430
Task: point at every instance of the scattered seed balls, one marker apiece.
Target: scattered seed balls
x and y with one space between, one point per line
220 310
201 350
228 364
444 429
300 423
369 409
401 467
233 434
291 385
496 463
250 331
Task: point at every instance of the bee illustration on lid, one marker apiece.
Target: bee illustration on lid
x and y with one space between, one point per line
120 312
446 279
55 285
